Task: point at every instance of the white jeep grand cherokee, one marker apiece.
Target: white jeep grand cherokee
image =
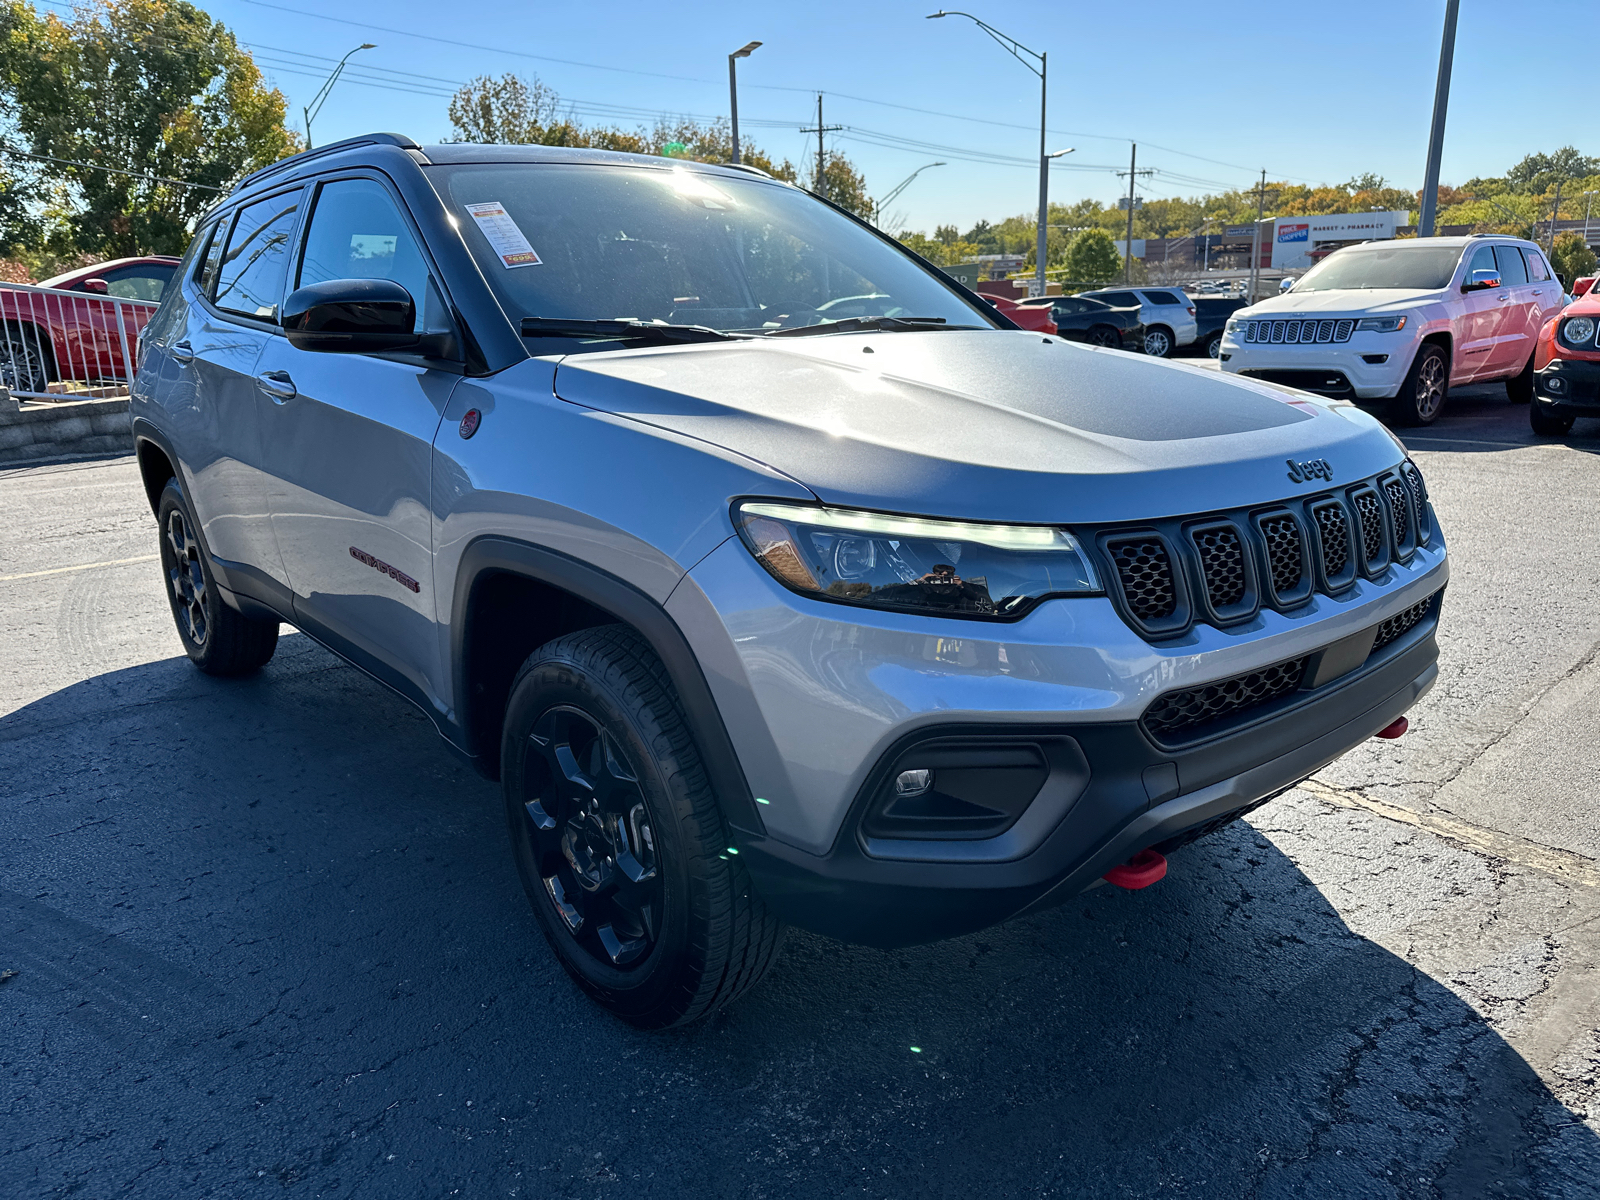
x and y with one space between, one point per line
1401 322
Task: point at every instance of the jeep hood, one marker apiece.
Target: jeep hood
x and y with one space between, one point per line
1344 302
986 425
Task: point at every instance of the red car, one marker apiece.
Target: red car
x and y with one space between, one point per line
1036 319
47 338
1566 368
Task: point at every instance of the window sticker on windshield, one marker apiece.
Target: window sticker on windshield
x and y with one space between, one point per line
505 239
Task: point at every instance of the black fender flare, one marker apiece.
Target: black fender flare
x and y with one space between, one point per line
493 554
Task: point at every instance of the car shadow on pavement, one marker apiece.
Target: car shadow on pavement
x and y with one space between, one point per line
269 940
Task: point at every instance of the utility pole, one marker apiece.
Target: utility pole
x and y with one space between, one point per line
1441 101
1586 209
1133 176
1255 240
821 187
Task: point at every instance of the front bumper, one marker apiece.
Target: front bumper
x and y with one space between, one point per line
1568 387
818 697
1313 367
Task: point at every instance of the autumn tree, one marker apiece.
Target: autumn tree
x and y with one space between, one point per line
138 113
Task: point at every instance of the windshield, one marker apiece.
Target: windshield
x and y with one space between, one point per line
1403 265
603 242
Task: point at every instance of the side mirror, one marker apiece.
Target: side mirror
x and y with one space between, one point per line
351 316
1286 286
96 285
1480 280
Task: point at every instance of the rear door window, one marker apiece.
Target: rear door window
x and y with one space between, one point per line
1512 270
1118 299
256 261
1161 298
1537 271
144 281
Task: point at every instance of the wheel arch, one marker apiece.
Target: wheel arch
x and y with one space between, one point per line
511 597
156 466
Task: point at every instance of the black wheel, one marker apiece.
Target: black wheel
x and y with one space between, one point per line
1214 346
1158 342
26 361
1422 395
618 838
1104 335
1519 388
1548 424
217 639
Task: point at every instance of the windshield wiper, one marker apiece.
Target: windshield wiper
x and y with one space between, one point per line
858 324
655 331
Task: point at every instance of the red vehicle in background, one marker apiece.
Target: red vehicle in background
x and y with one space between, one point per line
1036 319
1566 368
72 328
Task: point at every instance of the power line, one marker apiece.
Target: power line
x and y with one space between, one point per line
72 162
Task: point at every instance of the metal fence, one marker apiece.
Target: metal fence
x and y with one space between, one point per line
58 345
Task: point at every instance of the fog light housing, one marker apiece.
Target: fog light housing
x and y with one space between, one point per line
1555 385
1376 360
913 783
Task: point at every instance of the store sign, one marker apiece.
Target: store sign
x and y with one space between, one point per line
1294 233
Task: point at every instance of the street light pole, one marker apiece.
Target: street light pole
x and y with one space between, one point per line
1017 50
1586 208
1441 101
878 205
733 91
311 110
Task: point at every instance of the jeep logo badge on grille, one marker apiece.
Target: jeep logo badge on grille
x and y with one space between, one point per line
1312 468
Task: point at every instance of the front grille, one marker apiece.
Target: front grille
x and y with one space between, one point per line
1222 564
1402 623
1145 572
1369 510
1184 712
1399 510
1322 331
1285 554
1419 493
1333 534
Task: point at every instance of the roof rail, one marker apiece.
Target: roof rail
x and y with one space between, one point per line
366 139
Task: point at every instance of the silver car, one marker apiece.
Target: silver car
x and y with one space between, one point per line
777 578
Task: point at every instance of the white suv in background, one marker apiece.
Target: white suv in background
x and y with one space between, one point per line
1167 313
1402 321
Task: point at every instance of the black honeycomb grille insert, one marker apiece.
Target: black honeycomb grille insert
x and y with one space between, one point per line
1402 623
1399 512
1184 711
1284 552
1369 510
1145 570
1222 564
1333 531
1419 493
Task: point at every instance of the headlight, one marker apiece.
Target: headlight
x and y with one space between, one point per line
1380 324
944 568
1233 324
1575 331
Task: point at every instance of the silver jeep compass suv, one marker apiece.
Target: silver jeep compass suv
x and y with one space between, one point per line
777 578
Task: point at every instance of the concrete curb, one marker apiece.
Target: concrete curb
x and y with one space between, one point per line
74 428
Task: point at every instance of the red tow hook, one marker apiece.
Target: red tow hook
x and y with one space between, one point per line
1140 871
1394 729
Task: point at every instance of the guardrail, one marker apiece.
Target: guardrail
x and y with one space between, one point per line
68 345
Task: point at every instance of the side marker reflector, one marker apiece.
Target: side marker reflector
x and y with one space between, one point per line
1140 871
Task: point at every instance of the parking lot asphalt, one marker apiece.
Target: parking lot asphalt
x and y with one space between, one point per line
268 939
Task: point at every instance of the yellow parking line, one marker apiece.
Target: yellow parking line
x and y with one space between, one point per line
115 562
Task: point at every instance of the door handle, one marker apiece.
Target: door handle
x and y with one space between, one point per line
277 384
181 351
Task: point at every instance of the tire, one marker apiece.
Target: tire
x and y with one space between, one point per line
1158 342
1104 335
27 360
1546 425
217 639
1427 385
1519 388
618 838
1214 346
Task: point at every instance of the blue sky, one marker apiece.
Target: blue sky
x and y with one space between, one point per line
1312 92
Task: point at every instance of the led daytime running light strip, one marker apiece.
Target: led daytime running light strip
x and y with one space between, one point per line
1000 537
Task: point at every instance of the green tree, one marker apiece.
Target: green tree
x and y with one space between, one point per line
145 92
1539 172
845 186
1572 258
1092 257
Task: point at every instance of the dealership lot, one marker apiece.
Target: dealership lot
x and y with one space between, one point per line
268 938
